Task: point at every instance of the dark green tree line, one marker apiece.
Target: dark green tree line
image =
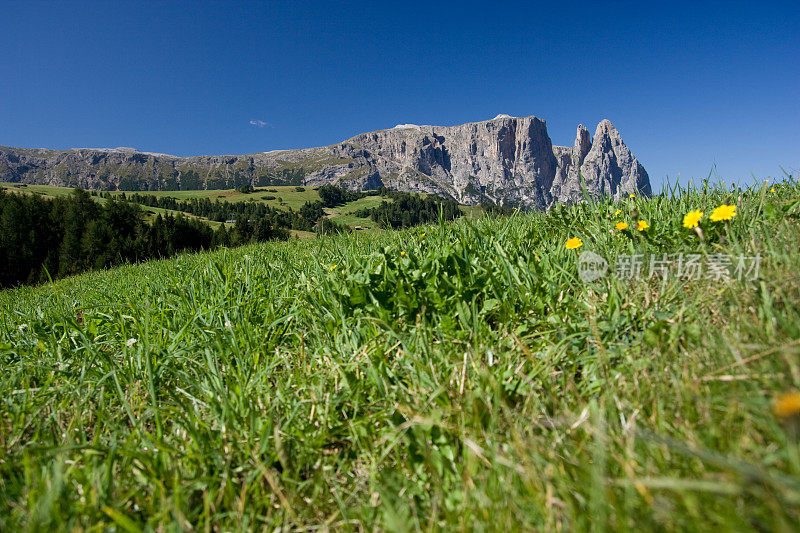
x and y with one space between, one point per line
408 209
43 239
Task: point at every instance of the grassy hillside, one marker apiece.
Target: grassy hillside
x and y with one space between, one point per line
49 191
291 196
459 376
278 197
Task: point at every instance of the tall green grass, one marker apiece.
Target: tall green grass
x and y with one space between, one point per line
457 376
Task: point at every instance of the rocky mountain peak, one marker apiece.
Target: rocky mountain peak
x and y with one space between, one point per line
583 142
507 160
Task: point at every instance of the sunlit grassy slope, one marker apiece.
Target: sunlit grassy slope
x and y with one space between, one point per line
276 197
458 376
289 194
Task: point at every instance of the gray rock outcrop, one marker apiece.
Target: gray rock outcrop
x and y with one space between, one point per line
506 160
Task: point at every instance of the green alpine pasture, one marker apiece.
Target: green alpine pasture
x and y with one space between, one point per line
277 197
290 195
459 376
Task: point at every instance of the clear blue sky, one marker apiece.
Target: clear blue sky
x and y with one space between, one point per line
688 85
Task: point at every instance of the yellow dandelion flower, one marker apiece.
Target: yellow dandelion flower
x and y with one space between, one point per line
723 212
692 218
786 405
403 252
617 212
643 225
573 243
622 226
422 235
772 189
333 267
632 196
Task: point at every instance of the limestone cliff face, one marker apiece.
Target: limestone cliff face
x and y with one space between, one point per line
508 160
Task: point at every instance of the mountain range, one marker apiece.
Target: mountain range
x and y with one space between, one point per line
506 160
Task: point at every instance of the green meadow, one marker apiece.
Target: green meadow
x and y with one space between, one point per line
459 376
277 197
289 194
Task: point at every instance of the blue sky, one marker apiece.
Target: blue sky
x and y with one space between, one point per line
689 85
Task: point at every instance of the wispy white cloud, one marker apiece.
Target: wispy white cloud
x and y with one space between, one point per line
259 123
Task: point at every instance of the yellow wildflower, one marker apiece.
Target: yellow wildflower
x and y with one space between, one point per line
403 252
692 218
772 189
723 212
422 235
622 226
617 212
786 405
632 196
643 225
573 243
333 267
